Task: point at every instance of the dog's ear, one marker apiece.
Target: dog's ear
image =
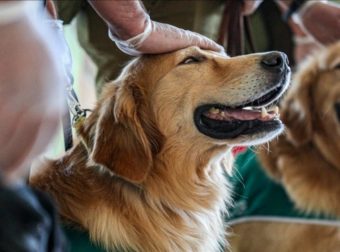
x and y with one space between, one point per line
125 139
298 108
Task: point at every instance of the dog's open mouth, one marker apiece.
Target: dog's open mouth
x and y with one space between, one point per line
223 122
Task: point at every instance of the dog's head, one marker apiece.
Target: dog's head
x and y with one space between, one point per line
190 96
312 108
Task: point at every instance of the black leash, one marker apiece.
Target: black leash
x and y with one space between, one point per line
75 112
67 130
235 29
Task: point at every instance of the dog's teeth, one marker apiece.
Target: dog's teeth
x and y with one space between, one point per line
214 111
222 113
264 112
276 109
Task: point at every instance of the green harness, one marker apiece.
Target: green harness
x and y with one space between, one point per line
256 197
79 241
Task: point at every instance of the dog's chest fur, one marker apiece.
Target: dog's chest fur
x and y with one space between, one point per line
162 215
154 223
174 230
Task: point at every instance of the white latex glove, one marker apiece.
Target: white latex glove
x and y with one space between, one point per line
162 38
134 33
31 88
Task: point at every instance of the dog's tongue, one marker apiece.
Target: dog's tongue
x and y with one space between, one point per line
243 114
239 114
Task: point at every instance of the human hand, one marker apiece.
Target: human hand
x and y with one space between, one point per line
166 38
321 20
31 89
131 28
162 38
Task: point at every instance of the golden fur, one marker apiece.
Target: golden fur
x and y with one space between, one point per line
305 160
143 176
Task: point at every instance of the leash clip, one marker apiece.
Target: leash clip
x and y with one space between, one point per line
78 113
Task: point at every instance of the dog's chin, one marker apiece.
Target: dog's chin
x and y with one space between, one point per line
256 139
248 123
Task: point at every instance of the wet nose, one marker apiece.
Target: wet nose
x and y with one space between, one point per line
275 61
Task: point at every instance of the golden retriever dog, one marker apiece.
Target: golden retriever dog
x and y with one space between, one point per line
148 174
305 162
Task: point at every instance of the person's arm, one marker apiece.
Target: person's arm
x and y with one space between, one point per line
125 19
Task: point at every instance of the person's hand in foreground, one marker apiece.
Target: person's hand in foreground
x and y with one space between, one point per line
31 87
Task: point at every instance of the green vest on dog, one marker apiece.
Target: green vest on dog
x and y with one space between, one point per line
79 241
256 197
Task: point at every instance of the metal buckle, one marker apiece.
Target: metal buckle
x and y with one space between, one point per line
75 107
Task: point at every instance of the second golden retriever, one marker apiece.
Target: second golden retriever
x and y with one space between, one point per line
306 163
148 174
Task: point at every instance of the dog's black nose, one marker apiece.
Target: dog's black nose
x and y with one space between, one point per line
275 61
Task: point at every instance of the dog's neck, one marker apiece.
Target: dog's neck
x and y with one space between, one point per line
181 177
184 195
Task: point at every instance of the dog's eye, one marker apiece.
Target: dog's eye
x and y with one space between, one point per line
192 60
337 66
